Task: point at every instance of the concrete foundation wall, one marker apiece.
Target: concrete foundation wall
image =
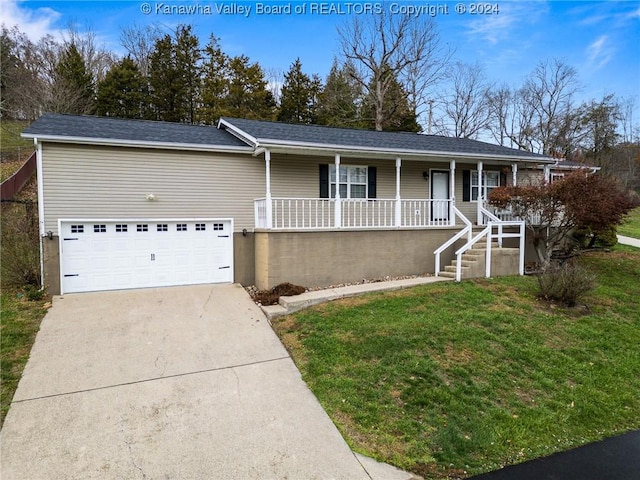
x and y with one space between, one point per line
51 251
324 258
244 258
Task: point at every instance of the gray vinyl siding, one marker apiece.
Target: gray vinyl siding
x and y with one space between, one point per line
112 182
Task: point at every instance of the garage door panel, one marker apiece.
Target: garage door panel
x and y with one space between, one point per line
120 254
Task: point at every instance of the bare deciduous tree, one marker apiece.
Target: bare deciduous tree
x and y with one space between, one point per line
385 48
550 91
139 42
466 109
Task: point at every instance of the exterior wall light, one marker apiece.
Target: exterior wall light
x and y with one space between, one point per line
50 235
150 196
425 175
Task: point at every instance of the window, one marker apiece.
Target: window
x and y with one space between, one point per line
218 226
121 228
201 227
77 228
99 229
491 181
162 227
142 227
556 177
181 227
352 181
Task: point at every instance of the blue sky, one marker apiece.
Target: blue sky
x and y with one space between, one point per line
601 40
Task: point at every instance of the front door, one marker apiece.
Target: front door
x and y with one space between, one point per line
439 195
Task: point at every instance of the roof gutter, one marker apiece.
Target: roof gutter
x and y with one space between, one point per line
139 144
276 145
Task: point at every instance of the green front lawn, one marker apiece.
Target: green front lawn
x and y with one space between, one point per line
463 378
20 322
631 226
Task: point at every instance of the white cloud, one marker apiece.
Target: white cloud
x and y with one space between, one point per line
500 27
35 23
599 52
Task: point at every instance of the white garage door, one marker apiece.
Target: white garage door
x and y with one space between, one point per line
112 255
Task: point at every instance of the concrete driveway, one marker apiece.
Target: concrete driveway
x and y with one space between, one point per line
171 383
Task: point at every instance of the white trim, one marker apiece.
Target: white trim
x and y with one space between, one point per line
398 208
346 149
140 144
237 132
40 187
337 183
481 189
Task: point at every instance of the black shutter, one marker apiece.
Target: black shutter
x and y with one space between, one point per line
466 185
371 179
324 181
503 179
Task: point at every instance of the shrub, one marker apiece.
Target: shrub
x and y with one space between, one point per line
20 248
566 283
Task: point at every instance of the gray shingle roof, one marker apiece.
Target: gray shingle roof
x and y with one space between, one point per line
115 129
268 133
144 132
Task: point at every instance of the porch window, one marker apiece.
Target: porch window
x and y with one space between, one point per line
491 181
352 181
556 177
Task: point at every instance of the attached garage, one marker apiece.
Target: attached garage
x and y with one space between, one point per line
120 254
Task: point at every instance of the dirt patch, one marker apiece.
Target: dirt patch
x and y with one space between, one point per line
271 297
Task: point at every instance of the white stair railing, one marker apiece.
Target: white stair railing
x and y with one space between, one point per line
465 231
499 236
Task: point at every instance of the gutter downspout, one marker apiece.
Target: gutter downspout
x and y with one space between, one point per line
39 179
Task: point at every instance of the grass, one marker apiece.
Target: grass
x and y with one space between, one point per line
19 317
462 378
631 226
20 322
15 149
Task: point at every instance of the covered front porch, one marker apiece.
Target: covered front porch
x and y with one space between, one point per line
352 199
335 238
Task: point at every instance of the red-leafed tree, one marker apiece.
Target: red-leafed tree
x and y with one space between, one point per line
554 211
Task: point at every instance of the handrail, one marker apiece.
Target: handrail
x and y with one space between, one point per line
466 247
488 231
465 231
492 218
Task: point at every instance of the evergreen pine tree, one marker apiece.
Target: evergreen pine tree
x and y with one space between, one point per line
215 82
299 96
248 96
341 98
122 92
73 84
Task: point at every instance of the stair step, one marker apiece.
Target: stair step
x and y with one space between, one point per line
447 274
452 268
465 262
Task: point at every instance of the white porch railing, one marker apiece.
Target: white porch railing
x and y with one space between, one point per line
320 213
507 215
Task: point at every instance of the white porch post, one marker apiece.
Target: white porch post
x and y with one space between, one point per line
398 213
269 209
480 192
514 174
337 217
452 192
547 173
